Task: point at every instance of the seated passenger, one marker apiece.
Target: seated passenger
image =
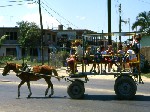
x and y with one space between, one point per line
103 52
72 63
104 59
110 59
130 56
97 59
87 58
79 51
121 53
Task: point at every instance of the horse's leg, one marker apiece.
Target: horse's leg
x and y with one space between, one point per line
52 89
21 83
28 84
48 81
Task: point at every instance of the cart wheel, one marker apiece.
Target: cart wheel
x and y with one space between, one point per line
76 90
125 88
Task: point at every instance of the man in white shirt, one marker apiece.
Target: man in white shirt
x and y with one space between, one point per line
79 52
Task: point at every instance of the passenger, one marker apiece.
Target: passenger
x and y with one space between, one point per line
88 59
110 50
79 51
136 46
71 61
103 52
73 58
130 56
96 60
120 57
120 51
110 58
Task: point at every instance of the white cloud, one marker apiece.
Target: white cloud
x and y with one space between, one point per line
81 17
46 19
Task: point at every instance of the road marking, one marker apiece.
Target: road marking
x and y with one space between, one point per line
65 87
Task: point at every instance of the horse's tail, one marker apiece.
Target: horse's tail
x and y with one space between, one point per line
56 74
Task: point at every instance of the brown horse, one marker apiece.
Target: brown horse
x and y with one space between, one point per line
42 71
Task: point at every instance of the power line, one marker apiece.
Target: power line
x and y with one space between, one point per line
59 15
50 14
19 3
144 1
19 0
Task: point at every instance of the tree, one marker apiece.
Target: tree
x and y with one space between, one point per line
29 34
143 20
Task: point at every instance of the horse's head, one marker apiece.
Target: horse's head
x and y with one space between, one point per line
6 69
11 66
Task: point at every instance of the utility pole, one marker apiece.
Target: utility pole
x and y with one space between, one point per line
129 26
120 23
109 22
41 32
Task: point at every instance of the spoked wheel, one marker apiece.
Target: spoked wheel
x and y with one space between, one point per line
125 88
76 90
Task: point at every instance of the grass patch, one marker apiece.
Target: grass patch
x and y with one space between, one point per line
146 75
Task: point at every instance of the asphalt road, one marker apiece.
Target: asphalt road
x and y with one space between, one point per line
99 97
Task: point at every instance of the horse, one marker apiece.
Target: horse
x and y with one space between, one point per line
39 72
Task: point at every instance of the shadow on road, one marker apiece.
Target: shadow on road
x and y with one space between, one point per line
53 97
98 98
114 97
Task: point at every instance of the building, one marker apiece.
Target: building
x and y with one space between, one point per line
52 40
10 47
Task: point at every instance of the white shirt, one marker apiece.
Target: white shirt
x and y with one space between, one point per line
79 51
131 54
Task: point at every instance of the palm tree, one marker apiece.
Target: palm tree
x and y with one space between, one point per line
142 20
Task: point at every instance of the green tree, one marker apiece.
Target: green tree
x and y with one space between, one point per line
29 34
143 20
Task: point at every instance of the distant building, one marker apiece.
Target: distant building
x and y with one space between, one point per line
52 39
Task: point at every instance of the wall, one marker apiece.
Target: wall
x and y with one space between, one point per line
146 52
145 41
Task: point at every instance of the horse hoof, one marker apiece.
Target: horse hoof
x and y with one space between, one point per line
50 96
29 96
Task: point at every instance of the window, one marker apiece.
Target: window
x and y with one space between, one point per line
11 35
11 52
54 38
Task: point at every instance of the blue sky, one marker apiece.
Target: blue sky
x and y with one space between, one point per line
78 14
